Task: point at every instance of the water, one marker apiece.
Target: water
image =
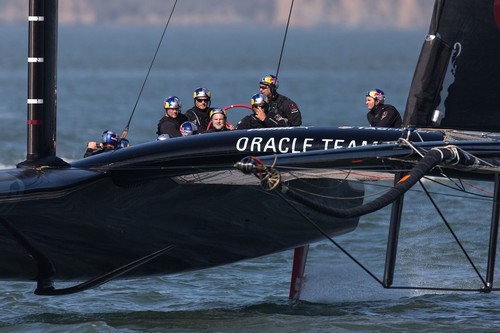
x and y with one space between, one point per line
101 71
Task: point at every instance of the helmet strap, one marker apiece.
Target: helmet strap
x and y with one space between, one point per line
273 91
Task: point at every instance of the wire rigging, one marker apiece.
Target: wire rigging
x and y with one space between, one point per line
453 234
325 234
125 130
284 38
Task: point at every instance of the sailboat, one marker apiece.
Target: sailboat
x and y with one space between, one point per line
129 213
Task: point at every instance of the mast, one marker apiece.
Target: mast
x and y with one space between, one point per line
42 75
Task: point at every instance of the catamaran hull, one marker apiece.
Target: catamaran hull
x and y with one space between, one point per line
92 229
108 210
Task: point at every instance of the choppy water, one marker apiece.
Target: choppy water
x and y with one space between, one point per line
327 72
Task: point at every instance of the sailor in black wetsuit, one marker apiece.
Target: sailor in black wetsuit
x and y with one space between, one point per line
259 118
109 142
380 114
200 112
279 106
173 118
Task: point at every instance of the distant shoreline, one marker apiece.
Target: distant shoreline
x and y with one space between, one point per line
348 14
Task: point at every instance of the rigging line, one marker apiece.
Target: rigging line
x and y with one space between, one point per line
458 186
106 168
125 130
362 266
350 256
303 174
284 39
461 188
338 198
208 167
453 233
197 168
469 196
490 194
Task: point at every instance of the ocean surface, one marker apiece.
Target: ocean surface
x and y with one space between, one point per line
326 72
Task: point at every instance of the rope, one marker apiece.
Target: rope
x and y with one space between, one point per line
125 130
284 38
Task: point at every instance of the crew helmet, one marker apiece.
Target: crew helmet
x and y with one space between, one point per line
163 137
376 94
123 143
188 128
216 111
202 92
271 81
172 102
259 99
110 137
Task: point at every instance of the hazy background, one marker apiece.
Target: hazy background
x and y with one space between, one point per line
366 14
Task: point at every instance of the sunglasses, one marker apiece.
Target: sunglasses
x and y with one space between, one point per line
263 87
260 106
202 100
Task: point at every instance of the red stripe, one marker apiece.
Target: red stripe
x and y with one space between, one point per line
496 13
34 122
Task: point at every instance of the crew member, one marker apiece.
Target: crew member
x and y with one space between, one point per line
108 143
280 106
381 114
173 118
259 118
200 112
218 121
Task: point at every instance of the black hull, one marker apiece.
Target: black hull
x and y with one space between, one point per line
102 226
110 209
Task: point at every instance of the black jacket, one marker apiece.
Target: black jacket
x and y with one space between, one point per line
283 106
251 121
200 117
91 152
384 115
168 125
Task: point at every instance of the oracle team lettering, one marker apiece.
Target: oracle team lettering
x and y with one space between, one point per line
294 145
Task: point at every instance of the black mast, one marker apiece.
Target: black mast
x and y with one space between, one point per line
42 78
